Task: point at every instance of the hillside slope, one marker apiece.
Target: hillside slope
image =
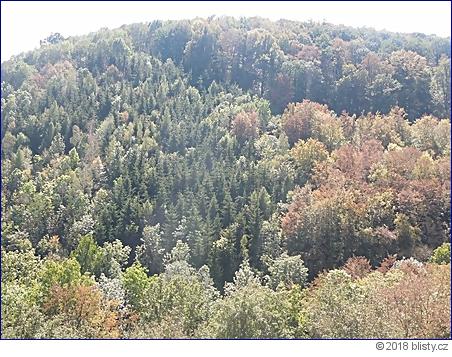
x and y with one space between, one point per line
227 178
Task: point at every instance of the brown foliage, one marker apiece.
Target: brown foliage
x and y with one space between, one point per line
419 304
387 264
309 53
356 162
403 303
84 307
245 125
357 267
298 119
281 92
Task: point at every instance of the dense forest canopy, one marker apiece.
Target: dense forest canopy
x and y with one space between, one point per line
229 178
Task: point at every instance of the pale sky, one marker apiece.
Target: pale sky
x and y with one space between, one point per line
23 24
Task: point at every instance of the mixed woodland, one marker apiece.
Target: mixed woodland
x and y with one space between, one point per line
227 178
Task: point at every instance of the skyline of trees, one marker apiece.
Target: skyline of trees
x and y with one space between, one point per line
227 178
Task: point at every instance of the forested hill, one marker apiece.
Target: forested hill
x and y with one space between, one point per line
356 70
227 178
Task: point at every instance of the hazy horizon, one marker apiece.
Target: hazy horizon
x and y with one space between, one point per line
76 19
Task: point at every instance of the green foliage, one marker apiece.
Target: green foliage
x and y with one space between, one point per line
87 254
286 271
21 317
20 266
441 255
107 260
306 155
379 304
59 273
178 178
440 87
250 310
150 252
180 297
136 284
